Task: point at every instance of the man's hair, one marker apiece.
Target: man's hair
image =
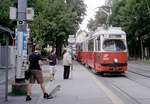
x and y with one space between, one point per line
37 47
53 50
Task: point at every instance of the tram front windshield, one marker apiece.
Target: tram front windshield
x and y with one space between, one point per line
113 45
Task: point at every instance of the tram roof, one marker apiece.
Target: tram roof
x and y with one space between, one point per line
102 31
110 30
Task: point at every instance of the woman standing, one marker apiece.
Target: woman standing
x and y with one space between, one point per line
67 62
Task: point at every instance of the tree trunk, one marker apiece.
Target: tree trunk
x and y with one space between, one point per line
58 49
142 52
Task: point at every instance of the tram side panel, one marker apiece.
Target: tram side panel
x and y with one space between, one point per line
78 56
90 59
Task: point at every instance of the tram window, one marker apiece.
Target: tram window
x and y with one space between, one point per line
113 45
91 45
81 47
99 44
96 45
84 48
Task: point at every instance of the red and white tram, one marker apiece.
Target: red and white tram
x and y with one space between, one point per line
104 51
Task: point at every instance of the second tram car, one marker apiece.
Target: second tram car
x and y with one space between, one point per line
105 50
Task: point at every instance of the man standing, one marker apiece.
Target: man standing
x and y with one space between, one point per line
36 73
52 59
67 62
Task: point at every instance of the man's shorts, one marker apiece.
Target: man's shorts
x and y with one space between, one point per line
36 75
52 69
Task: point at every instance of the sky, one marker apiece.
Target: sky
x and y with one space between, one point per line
91 11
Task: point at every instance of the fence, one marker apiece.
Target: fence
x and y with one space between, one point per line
4 56
7 60
7 56
3 85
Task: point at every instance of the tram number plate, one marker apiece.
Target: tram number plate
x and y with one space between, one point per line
115 69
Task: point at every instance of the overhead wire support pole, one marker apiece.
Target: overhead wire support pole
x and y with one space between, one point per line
21 29
108 13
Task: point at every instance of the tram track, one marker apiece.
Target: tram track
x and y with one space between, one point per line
140 70
127 93
136 79
139 74
124 96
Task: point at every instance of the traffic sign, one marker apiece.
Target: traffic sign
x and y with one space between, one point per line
30 14
12 13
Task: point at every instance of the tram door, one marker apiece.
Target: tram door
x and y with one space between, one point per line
91 52
97 53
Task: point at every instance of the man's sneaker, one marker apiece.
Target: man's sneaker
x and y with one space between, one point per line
28 98
47 96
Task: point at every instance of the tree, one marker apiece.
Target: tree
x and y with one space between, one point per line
78 8
54 22
92 25
133 17
4 18
60 24
100 19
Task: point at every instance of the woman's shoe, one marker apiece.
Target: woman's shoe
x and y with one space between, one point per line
28 98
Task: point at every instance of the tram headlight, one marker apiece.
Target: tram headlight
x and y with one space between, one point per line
115 60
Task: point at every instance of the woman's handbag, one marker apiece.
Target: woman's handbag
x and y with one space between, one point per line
27 74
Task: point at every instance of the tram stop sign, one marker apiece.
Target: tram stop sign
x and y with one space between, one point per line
71 40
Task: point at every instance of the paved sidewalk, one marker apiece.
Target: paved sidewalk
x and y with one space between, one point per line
80 89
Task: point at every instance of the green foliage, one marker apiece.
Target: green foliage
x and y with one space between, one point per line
100 19
4 18
14 94
78 8
55 20
4 13
92 25
45 53
133 17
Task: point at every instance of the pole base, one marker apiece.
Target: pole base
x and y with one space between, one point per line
19 88
20 80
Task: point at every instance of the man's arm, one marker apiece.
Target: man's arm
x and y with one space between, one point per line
40 62
49 60
56 61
